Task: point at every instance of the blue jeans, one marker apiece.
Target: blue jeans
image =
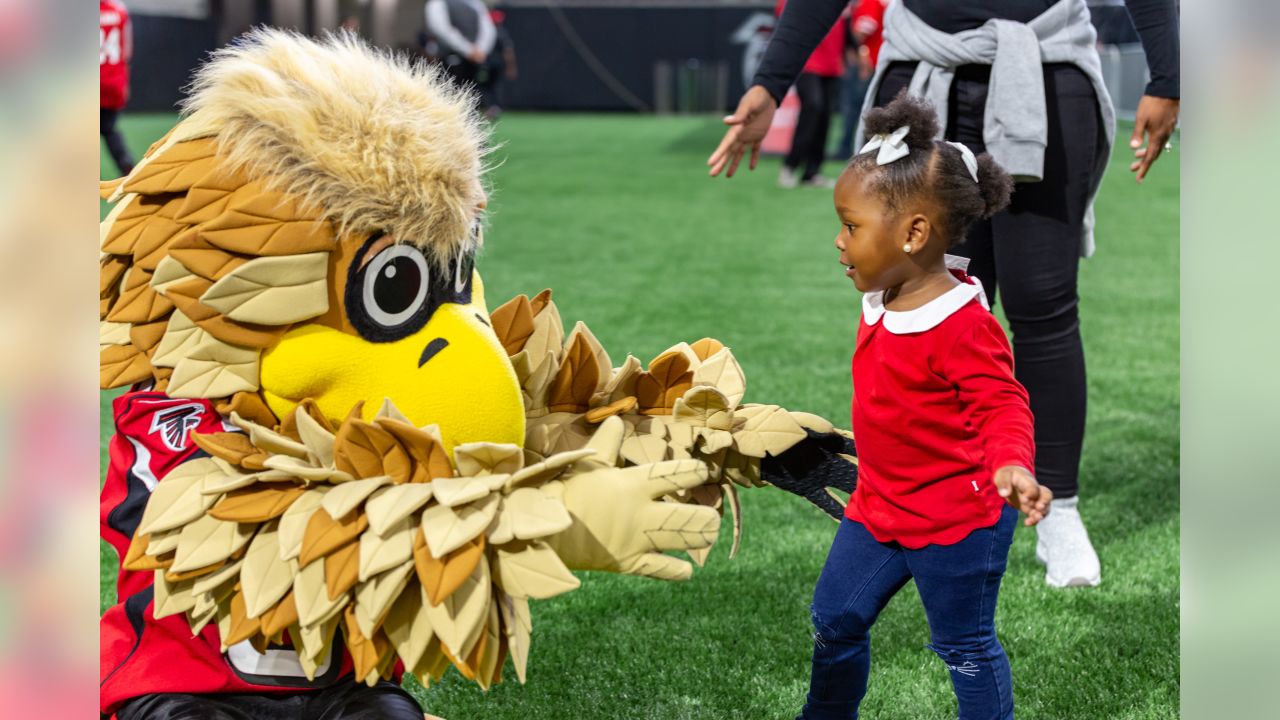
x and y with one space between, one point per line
958 585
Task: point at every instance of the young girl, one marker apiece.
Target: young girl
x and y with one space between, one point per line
944 432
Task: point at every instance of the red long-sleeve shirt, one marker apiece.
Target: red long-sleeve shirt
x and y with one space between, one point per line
868 23
936 410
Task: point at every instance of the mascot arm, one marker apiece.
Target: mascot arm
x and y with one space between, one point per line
621 523
687 404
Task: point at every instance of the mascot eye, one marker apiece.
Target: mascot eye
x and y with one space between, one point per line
390 296
395 285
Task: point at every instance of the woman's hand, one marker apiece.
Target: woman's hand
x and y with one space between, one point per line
1156 119
747 126
1019 488
865 68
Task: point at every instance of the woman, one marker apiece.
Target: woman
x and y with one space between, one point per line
1053 129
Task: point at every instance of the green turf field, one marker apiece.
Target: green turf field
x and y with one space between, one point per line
617 215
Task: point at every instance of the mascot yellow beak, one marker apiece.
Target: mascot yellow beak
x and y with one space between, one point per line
405 331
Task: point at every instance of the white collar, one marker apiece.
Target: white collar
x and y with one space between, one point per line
929 315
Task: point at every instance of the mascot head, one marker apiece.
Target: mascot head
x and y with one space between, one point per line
307 233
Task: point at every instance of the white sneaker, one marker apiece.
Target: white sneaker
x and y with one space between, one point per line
1062 544
819 181
787 178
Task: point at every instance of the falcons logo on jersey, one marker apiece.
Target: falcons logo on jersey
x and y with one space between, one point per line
176 423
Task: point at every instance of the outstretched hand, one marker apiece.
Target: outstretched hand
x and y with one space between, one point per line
622 525
747 127
1019 488
822 460
1155 121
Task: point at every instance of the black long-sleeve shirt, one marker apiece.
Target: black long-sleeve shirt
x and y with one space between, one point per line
804 23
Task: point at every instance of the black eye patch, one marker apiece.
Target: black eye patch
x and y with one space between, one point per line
395 293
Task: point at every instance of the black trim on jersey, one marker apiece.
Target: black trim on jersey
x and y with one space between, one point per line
125 517
135 609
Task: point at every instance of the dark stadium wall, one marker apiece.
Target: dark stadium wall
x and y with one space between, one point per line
574 55
604 58
166 50
602 55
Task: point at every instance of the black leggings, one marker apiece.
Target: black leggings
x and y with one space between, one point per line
115 141
818 96
346 700
1031 252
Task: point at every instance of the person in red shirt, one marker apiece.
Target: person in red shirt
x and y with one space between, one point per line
868 28
818 87
115 49
946 449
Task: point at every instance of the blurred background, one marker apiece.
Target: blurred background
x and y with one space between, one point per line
659 56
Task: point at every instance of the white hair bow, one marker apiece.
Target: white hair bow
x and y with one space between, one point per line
891 145
966 154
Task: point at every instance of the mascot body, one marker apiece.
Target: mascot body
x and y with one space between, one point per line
334 464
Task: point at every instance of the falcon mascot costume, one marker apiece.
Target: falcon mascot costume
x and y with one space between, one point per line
334 465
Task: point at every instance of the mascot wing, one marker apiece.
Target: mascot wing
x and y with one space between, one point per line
686 405
369 527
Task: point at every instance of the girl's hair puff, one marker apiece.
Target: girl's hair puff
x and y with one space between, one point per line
932 169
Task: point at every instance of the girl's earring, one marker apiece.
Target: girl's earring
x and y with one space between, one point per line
907 248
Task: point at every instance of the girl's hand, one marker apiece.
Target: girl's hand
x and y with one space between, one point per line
1019 488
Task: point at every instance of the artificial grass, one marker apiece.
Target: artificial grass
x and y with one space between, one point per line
616 214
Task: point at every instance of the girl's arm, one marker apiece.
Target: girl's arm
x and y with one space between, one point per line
980 365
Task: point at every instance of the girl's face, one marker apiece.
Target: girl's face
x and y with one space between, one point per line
871 237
